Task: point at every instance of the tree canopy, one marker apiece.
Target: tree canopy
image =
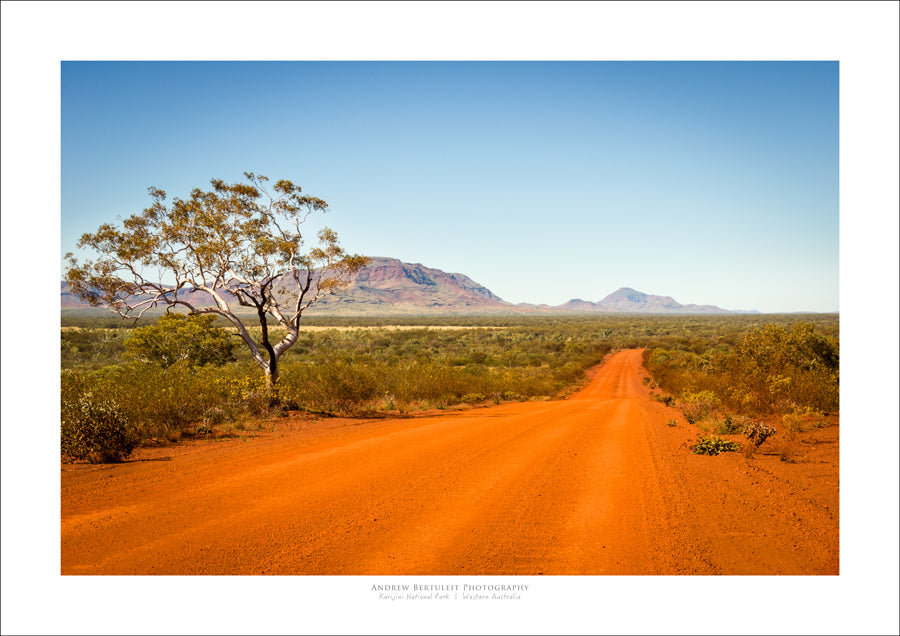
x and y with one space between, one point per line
237 245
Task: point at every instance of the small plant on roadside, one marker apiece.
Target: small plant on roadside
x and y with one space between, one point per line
793 424
757 433
213 416
258 404
726 427
713 445
672 423
787 451
204 429
95 429
698 405
665 399
471 398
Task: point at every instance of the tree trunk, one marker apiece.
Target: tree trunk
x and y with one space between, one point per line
272 382
271 369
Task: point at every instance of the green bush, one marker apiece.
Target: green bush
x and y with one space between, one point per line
471 398
158 401
334 387
176 338
712 445
698 405
727 426
95 429
768 369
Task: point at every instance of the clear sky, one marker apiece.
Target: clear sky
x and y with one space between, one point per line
711 182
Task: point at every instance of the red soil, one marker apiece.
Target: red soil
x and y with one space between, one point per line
596 484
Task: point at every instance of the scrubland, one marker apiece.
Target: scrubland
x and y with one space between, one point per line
720 370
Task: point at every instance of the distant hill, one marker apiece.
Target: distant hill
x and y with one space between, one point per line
388 286
627 300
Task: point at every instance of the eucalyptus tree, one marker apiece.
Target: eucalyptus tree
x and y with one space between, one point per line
236 250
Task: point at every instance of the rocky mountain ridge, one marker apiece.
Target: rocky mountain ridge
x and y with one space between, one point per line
388 286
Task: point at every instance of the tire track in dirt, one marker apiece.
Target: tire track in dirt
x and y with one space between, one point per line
471 510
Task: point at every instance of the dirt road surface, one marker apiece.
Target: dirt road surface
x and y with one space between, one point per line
596 484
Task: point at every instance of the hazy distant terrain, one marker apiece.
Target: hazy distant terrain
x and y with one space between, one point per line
389 287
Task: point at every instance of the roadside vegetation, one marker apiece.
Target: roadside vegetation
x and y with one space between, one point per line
776 378
183 376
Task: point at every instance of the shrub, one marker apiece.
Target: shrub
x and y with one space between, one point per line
726 427
793 424
95 429
213 417
665 399
776 368
389 403
334 386
712 445
786 451
757 433
696 406
258 403
765 370
175 337
672 423
471 398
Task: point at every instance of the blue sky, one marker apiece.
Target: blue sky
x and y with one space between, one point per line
712 182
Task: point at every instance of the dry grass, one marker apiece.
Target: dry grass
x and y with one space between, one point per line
315 328
787 450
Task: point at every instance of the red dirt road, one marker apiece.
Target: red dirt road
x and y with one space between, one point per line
596 484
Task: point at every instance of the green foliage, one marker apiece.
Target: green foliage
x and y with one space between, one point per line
784 368
699 405
472 398
351 371
712 445
92 347
774 368
362 365
95 429
727 426
157 400
334 387
175 338
794 421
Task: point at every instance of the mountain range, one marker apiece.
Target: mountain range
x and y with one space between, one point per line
388 286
